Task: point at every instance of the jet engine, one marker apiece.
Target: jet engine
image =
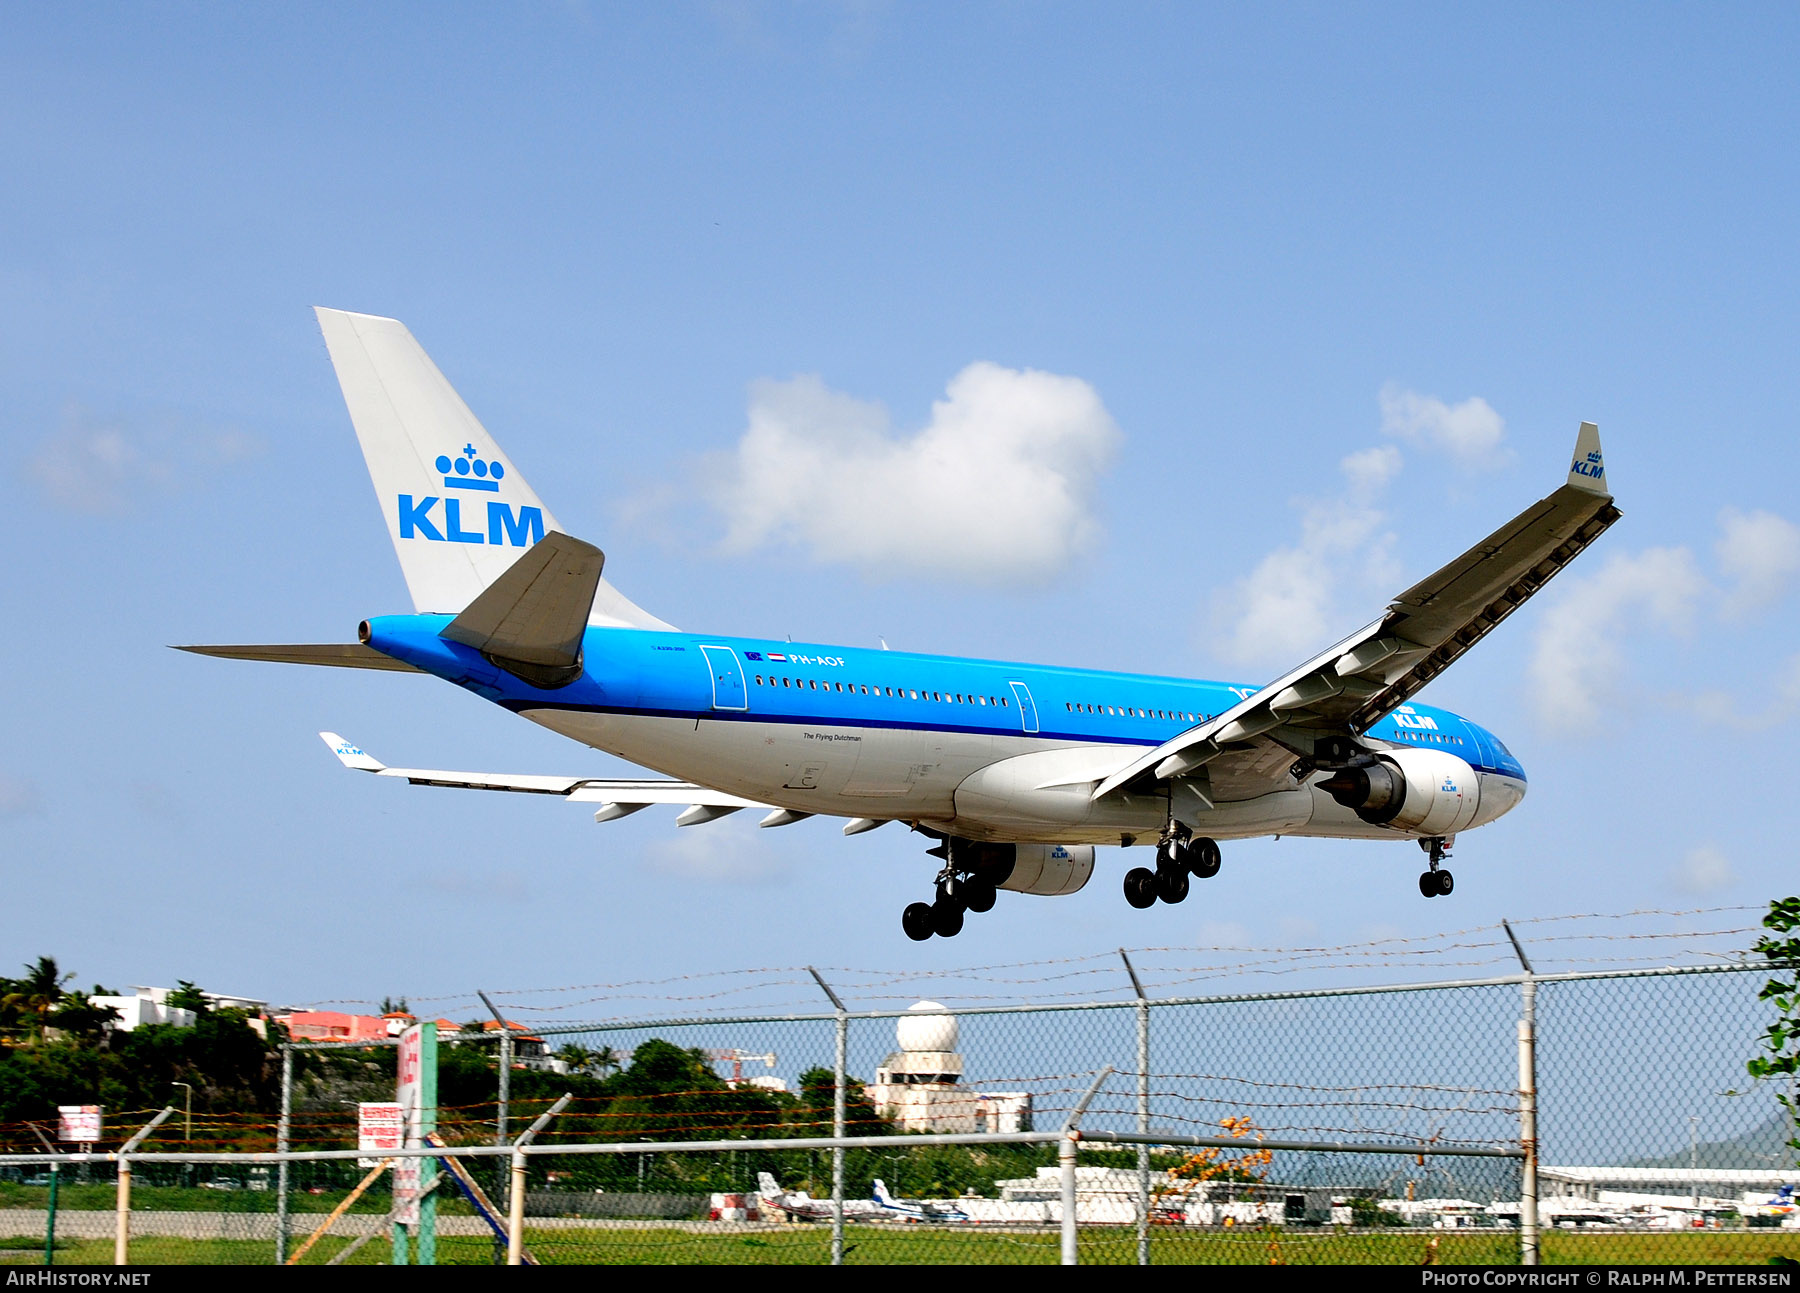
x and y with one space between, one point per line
1426 792
1050 870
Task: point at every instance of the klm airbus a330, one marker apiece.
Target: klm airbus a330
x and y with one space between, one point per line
1015 771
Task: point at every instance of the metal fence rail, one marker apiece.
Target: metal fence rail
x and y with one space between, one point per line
1578 1116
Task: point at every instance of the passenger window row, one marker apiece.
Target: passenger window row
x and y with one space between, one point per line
892 693
1432 738
1127 711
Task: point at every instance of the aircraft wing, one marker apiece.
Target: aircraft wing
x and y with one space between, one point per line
1315 711
618 797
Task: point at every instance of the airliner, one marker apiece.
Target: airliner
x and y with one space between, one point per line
1014 772
801 1206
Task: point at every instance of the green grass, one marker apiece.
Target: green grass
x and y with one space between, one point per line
174 1198
930 1245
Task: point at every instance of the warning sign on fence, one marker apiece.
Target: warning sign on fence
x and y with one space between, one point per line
78 1122
380 1129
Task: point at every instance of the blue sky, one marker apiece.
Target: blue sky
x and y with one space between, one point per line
1332 286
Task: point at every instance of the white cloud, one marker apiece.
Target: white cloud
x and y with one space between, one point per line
487 886
995 489
1286 608
717 853
1368 470
1578 664
98 467
1760 553
1704 870
1470 432
18 798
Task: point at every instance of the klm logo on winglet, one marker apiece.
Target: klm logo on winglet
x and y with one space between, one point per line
519 527
1590 466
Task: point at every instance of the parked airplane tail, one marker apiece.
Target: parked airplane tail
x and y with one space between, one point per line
459 513
881 1193
768 1187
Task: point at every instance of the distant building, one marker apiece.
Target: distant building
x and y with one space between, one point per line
151 1006
336 1026
528 1052
920 1085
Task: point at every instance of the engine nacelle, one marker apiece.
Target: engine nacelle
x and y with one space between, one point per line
1427 792
1049 869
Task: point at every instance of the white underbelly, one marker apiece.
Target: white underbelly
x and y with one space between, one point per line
845 771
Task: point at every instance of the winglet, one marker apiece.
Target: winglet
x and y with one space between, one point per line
349 755
1588 470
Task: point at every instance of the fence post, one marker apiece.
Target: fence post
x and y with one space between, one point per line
1065 1160
122 1230
282 1134
1143 1111
1528 1106
515 1229
501 1101
838 1083
50 1215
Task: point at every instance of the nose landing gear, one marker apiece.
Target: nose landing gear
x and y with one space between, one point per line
1434 882
1178 856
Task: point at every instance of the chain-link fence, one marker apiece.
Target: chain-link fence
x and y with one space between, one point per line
1355 1124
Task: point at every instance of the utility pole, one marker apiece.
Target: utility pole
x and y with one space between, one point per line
501 1101
1528 1105
1694 1156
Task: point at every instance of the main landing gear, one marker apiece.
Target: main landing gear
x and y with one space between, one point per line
1177 857
965 883
1434 882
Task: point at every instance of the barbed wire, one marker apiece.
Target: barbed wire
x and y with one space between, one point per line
1099 975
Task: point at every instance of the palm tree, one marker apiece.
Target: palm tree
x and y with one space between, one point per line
38 993
576 1056
606 1059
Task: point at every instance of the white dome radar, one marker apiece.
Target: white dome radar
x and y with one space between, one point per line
927 1026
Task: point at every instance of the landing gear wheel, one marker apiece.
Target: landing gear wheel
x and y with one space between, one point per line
1445 883
1172 885
946 919
979 896
1203 858
1428 883
1140 887
916 921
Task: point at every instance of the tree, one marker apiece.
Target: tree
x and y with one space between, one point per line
77 1016
37 994
1781 1039
187 997
578 1057
818 1089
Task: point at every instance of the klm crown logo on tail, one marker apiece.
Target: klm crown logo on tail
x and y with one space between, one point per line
520 527
1592 466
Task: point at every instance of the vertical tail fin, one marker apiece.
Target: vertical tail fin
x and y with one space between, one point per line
457 510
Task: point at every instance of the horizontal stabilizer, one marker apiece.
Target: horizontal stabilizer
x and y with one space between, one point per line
344 655
529 621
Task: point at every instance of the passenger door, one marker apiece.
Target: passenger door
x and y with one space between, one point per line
1028 716
727 678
